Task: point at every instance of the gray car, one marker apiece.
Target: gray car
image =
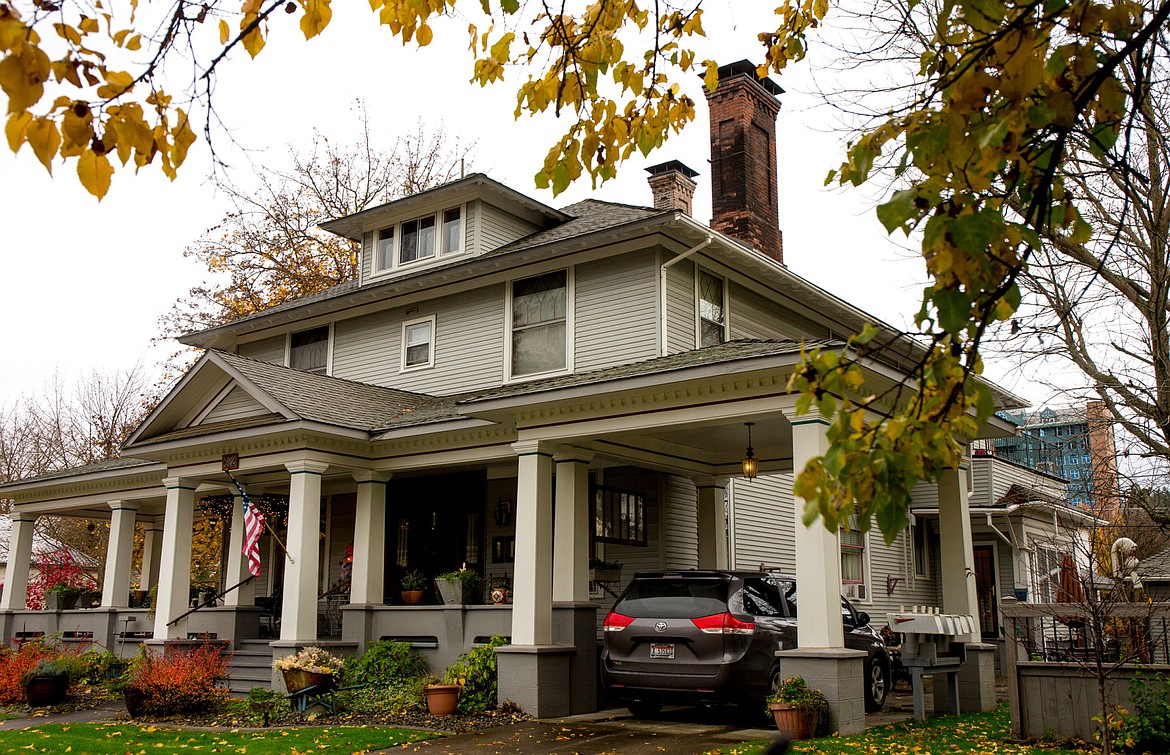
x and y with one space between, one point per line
712 636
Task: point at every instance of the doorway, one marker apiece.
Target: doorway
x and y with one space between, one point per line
985 591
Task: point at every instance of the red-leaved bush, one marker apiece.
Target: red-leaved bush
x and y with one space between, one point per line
14 664
56 568
179 681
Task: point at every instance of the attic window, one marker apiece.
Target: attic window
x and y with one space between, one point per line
418 239
309 350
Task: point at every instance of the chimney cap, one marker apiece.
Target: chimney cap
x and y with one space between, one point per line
671 166
748 68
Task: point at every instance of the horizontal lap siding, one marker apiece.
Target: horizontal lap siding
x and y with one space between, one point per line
469 345
615 320
269 350
342 520
762 523
680 524
236 405
497 227
680 307
895 561
753 316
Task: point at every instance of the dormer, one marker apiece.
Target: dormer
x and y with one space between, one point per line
447 224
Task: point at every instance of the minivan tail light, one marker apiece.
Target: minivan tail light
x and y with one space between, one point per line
724 623
615 622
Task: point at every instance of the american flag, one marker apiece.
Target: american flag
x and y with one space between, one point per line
253 527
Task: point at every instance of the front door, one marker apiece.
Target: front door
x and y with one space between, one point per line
985 591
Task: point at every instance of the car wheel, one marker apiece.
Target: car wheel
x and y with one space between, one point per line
877 685
643 709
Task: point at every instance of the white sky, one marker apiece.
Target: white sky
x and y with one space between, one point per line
83 283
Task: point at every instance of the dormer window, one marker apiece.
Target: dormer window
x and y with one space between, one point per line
308 350
419 239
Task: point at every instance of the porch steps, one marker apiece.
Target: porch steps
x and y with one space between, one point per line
250 666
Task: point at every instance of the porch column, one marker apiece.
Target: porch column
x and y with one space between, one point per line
712 523
237 562
119 555
532 580
151 555
977 676
571 527
301 573
821 657
369 538
174 584
15 597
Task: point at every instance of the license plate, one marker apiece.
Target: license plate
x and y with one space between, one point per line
662 650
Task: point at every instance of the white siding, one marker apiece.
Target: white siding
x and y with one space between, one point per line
269 350
994 477
498 227
753 316
237 404
469 345
680 528
680 307
613 322
762 523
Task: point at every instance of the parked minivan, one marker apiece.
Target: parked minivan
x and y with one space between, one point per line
712 636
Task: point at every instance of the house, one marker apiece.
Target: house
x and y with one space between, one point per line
517 389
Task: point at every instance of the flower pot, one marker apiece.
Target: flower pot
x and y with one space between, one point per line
605 575
43 691
413 597
442 699
296 680
499 596
793 722
452 592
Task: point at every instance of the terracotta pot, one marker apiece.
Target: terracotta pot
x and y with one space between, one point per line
413 597
296 680
794 722
442 699
43 691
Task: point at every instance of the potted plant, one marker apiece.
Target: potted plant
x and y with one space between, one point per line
604 571
46 683
442 696
310 667
414 585
799 711
459 587
63 596
498 592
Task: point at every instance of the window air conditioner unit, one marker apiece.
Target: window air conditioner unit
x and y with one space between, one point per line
855 592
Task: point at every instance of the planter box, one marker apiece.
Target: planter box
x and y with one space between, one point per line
296 680
605 575
453 594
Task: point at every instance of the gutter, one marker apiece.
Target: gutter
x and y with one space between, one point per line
662 314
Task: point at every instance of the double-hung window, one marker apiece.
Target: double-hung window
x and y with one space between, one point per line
309 350
418 343
540 308
712 310
853 576
419 239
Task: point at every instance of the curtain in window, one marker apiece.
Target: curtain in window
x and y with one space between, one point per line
539 306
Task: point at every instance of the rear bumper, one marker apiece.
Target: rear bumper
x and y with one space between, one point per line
727 685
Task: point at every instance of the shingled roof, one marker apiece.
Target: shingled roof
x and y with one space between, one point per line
1019 494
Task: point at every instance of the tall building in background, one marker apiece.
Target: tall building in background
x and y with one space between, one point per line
1075 444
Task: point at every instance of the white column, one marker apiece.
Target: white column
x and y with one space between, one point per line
119 555
571 527
369 538
15 597
818 551
301 571
957 555
711 523
151 555
237 562
532 580
174 583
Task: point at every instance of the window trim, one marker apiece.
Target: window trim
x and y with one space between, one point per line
328 348
863 552
699 272
395 228
403 366
920 530
570 317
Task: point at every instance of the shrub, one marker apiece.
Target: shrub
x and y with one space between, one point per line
475 672
187 681
14 664
47 668
795 692
262 706
385 664
1148 727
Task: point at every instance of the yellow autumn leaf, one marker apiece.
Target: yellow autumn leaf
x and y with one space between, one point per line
423 35
15 128
253 42
22 76
316 18
225 31
77 124
95 172
42 136
117 82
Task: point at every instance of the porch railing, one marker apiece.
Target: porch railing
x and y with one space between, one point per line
210 602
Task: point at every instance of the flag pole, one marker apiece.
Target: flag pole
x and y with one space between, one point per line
267 526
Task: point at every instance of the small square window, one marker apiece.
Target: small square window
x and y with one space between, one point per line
417 343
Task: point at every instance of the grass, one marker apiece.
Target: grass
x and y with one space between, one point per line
104 738
973 733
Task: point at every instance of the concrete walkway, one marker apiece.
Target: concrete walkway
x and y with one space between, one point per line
105 712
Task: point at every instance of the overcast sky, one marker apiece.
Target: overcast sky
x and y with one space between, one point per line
85 282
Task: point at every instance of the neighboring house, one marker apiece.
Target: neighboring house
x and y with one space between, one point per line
1075 444
43 548
519 389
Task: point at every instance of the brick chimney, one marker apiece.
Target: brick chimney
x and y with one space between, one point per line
673 185
743 112
1103 454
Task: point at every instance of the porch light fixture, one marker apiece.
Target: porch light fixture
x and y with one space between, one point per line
503 512
750 463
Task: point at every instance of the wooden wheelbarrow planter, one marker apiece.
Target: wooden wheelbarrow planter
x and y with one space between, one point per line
306 689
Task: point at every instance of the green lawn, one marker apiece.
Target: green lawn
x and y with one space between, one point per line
973 733
103 739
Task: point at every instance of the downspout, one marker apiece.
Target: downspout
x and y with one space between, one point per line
662 318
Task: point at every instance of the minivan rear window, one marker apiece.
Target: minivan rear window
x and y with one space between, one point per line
673 598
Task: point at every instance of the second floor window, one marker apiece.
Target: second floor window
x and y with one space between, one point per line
419 239
309 350
539 334
417 343
853 576
712 311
